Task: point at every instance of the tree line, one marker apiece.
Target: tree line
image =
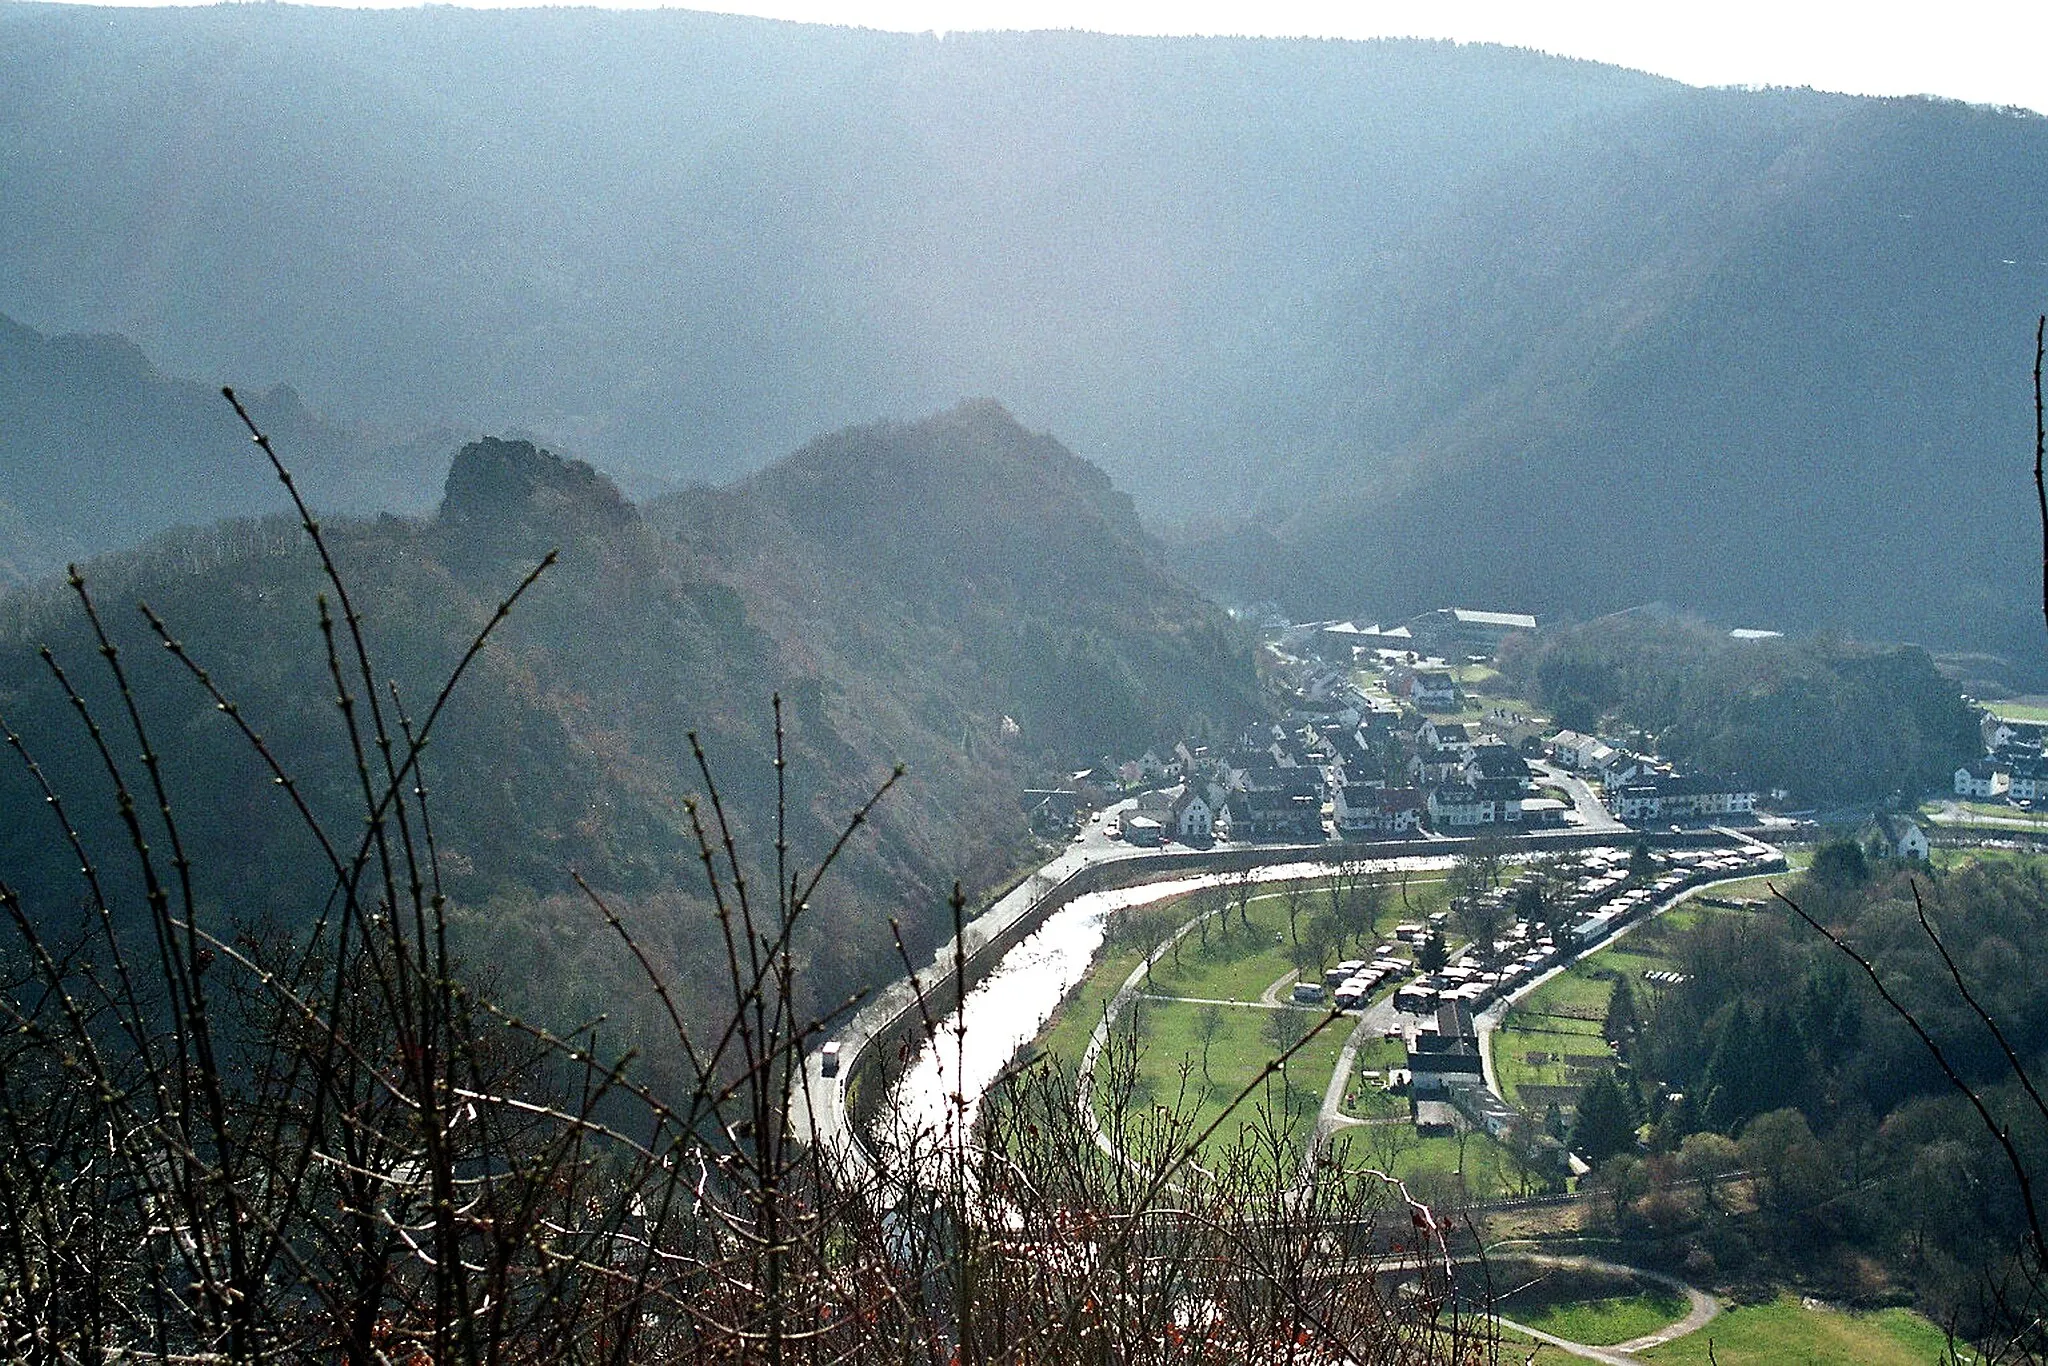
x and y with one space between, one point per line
1822 718
1776 1056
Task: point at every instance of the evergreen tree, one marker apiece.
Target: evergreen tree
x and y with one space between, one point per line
1782 1069
1719 1088
1642 864
1622 1021
1840 864
1757 1064
1606 1123
1432 953
1830 1019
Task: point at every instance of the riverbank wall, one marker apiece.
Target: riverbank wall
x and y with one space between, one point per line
888 1032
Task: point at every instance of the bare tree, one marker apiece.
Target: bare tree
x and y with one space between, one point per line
1208 1024
227 1144
2018 1299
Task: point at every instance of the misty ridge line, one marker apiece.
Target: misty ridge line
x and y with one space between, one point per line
1321 308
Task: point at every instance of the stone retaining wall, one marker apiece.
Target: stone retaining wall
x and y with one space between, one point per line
891 1045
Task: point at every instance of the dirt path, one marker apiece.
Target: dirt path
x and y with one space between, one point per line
1701 1309
1271 995
1219 1001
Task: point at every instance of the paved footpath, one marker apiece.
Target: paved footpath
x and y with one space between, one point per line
1701 1311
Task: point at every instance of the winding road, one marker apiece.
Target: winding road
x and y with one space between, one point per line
822 1106
1701 1309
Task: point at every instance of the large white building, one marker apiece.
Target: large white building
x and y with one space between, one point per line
1688 796
1457 631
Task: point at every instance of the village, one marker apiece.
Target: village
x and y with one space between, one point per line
1395 735
1402 742
1428 920
1387 733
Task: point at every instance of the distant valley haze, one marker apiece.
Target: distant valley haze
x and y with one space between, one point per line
1360 326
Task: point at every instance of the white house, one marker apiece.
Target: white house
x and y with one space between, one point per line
1983 778
1453 806
1444 735
1141 830
1377 811
1563 747
1903 838
1622 768
1194 820
1426 688
1357 811
1433 689
1591 754
1671 796
2029 780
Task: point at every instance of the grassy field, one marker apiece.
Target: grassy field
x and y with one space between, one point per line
1786 1331
1601 1321
1235 965
1562 1019
2018 711
1438 1168
1066 1034
1690 915
1535 1052
1171 1072
1956 858
1238 963
1556 1023
1578 991
1366 1098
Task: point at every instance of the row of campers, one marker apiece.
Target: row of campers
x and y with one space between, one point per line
1352 982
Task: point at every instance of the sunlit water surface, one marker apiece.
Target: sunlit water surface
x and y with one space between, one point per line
1010 1006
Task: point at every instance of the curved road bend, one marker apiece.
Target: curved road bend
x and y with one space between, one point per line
1701 1309
821 1100
1489 1020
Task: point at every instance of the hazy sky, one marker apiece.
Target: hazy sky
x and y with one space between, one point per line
1988 53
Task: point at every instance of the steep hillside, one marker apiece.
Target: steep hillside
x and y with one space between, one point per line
683 243
568 749
971 558
1440 322
99 450
1764 355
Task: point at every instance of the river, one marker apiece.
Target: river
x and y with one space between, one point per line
1010 1006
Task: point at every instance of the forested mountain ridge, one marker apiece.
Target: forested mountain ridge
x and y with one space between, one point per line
1028 554
100 450
683 243
1390 323
1765 355
567 749
1825 720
